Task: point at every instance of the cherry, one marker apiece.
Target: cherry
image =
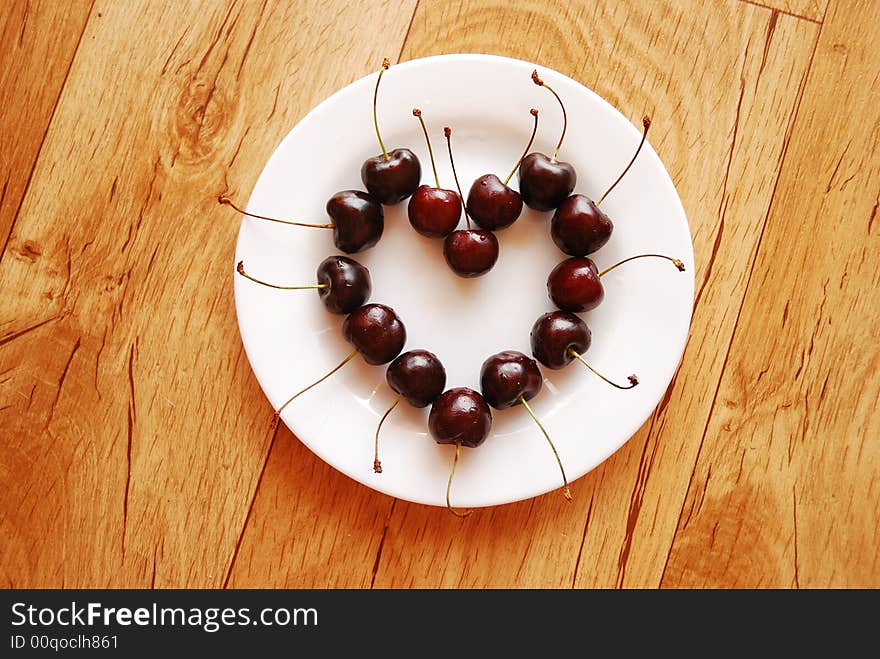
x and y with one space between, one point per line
343 283
347 284
557 336
574 284
491 202
376 332
390 177
433 211
469 252
578 226
417 376
358 220
545 182
459 416
508 376
511 378
560 337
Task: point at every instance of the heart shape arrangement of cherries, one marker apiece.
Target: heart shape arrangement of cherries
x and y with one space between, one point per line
461 416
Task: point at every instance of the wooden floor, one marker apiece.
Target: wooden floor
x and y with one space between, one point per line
137 447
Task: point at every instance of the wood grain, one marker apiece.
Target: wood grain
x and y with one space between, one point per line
37 43
134 432
785 493
136 448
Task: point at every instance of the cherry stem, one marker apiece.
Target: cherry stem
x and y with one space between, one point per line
565 490
418 115
447 131
455 512
676 262
525 152
241 271
316 382
646 123
228 202
377 465
633 380
385 65
541 83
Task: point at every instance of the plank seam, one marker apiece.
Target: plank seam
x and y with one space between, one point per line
788 136
247 517
27 185
408 28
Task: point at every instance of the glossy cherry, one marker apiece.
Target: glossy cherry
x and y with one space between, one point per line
418 377
491 202
347 284
574 284
343 283
559 337
376 333
358 220
471 252
460 415
392 176
511 378
578 226
508 378
433 211
468 252
544 182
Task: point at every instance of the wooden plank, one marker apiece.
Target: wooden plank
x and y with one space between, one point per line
310 526
37 43
720 127
785 493
813 10
133 431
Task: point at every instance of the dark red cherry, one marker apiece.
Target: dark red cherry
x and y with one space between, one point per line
392 178
555 334
434 212
545 183
492 204
508 377
460 415
376 333
574 285
578 226
347 282
358 220
471 252
418 376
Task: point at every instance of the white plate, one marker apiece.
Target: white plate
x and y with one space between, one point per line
641 327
